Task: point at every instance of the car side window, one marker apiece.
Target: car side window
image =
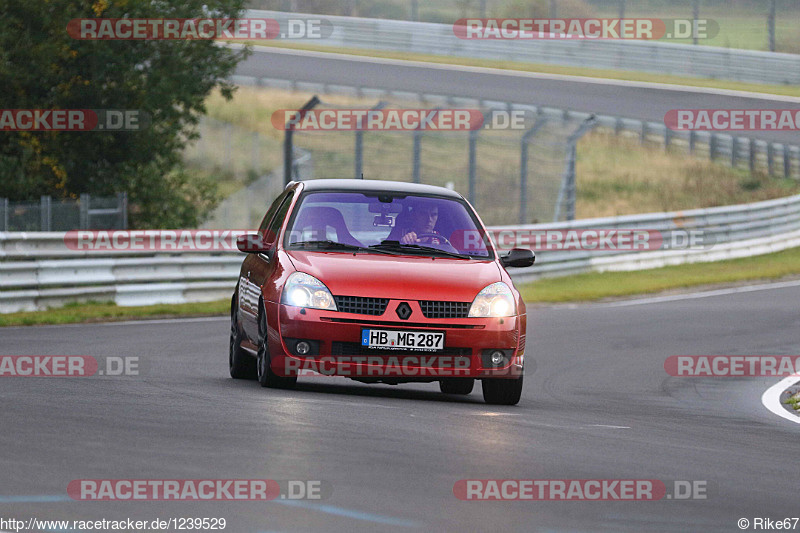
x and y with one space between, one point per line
275 226
271 212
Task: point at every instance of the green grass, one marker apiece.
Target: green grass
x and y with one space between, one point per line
596 286
109 312
783 90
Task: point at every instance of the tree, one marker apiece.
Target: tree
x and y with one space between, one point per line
42 67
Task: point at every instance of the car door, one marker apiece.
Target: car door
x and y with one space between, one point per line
259 267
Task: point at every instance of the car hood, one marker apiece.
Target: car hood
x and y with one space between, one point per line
398 277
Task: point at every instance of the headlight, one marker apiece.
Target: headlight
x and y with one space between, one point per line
303 290
494 300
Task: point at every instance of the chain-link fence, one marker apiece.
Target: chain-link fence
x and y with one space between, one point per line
48 214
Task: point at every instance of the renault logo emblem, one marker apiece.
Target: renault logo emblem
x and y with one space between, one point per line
403 311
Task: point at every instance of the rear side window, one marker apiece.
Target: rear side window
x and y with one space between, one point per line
271 213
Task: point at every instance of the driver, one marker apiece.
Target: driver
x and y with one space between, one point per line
422 220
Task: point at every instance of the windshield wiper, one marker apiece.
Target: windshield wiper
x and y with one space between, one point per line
401 247
333 245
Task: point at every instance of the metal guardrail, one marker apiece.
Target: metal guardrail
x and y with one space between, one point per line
58 275
645 56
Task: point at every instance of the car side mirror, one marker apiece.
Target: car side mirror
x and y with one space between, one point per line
251 243
518 257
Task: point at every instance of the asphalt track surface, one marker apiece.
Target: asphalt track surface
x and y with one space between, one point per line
599 405
610 97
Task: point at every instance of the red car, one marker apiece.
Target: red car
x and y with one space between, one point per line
381 282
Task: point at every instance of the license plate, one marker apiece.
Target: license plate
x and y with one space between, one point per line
388 339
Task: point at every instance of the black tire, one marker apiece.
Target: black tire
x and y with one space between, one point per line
502 391
241 364
456 385
266 376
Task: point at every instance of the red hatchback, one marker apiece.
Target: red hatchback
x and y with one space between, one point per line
380 282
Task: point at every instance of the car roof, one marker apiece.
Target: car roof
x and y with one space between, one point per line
376 185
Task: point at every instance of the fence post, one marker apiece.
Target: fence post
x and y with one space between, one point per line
692 141
734 151
288 142
84 213
752 155
644 132
523 168
568 186
416 155
359 148
45 215
4 203
473 147
770 157
122 202
667 138
712 147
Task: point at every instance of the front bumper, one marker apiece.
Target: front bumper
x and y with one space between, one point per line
335 338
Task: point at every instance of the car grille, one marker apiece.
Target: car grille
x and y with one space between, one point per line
361 305
354 348
436 309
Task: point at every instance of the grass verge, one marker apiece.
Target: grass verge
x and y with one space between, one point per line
596 286
543 68
109 312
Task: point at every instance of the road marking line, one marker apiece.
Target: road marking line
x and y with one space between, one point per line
351 513
523 74
607 426
772 399
693 295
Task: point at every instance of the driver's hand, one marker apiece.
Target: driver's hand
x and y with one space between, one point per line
409 238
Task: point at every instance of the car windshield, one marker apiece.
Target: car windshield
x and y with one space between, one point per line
386 222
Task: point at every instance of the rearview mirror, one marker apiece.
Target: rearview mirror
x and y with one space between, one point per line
250 243
518 257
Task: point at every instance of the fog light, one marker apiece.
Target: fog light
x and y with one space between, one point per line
497 358
302 348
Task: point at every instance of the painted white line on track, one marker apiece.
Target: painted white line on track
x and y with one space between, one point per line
524 74
694 295
772 398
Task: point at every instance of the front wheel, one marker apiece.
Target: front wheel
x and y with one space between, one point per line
456 385
266 377
502 391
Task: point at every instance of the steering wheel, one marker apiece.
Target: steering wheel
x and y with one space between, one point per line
430 237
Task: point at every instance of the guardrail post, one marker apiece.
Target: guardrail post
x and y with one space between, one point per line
84 212
45 214
734 151
523 168
288 141
644 132
692 141
667 138
787 162
752 155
